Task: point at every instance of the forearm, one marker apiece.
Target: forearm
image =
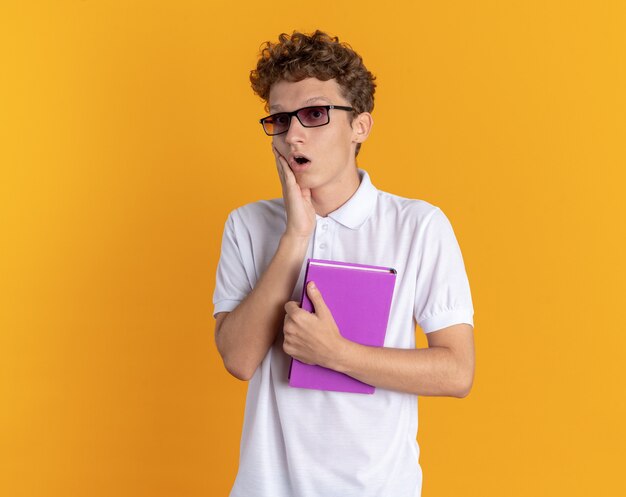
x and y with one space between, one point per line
247 333
434 371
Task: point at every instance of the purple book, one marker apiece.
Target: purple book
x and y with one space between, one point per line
359 298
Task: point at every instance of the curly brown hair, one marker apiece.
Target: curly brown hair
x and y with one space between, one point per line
299 56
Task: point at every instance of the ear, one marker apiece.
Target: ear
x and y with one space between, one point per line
361 127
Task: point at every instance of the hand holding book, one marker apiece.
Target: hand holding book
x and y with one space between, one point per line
312 337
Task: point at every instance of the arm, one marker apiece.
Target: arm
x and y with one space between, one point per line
445 368
244 335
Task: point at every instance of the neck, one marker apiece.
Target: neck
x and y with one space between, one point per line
328 198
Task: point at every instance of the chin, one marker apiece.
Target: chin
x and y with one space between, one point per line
307 180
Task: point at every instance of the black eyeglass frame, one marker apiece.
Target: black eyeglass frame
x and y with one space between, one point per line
295 113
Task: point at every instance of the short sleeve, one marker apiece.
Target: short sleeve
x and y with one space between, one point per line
232 284
443 295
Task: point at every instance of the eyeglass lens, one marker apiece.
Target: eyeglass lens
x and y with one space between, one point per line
309 117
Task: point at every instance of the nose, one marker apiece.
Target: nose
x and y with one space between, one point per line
295 133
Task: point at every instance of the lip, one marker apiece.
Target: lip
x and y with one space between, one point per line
293 164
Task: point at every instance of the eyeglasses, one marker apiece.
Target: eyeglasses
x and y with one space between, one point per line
309 117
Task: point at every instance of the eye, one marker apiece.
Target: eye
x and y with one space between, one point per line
314 116
280 119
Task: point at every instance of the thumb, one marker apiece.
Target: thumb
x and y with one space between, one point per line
317 300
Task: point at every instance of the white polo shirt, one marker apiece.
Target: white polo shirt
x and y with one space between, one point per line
308 443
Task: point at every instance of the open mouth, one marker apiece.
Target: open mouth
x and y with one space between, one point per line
299 162
301 159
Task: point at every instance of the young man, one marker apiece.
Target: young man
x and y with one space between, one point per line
306 443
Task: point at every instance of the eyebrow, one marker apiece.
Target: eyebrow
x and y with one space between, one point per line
306 102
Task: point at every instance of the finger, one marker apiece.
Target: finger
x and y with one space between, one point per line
319 306
287 329
289 349
279 166
283 167
280 158
277 154
291 307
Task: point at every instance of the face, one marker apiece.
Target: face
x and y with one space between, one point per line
329 149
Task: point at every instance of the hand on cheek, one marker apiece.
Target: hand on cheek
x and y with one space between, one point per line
298 206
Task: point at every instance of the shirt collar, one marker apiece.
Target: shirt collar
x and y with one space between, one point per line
360 206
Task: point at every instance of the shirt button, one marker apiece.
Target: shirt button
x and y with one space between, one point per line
324 227
322 246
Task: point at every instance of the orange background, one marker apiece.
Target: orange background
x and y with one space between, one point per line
128 131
